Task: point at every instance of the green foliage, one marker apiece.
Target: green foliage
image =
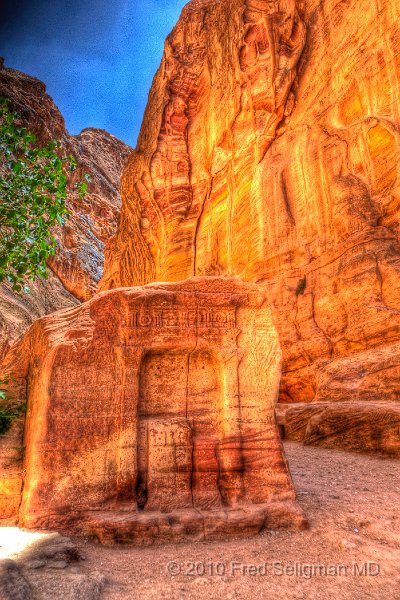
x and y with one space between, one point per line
33 190
9 410
301 287
7 415
5 380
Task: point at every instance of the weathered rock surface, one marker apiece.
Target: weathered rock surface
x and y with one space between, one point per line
78 263
356 426
269 151
221 91
19 311
151 415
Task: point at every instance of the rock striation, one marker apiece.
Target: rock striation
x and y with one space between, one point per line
78 264
151 415
269 151
222 89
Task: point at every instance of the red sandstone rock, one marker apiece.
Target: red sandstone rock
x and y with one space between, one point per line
269 151
221 91
155 406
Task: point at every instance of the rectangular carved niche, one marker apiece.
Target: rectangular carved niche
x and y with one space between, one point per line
179 430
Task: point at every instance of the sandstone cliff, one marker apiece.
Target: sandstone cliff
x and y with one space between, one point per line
78 264
269 151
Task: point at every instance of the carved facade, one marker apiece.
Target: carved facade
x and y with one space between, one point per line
151 415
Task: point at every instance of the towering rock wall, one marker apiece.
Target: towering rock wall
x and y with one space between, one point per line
222 88
78 264
269 151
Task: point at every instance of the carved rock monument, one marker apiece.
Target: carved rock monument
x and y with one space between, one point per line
151 415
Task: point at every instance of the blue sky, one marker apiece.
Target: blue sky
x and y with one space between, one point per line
96 57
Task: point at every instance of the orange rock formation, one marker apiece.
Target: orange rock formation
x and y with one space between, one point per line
151 415
269 151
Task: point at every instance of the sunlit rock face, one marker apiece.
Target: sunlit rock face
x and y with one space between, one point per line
151 415
269 150
77 267
222 89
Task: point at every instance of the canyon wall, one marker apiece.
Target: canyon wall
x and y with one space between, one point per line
78 263
269 151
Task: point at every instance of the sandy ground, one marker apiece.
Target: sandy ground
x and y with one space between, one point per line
353 505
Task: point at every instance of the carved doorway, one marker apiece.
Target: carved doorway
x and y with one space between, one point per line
180 426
